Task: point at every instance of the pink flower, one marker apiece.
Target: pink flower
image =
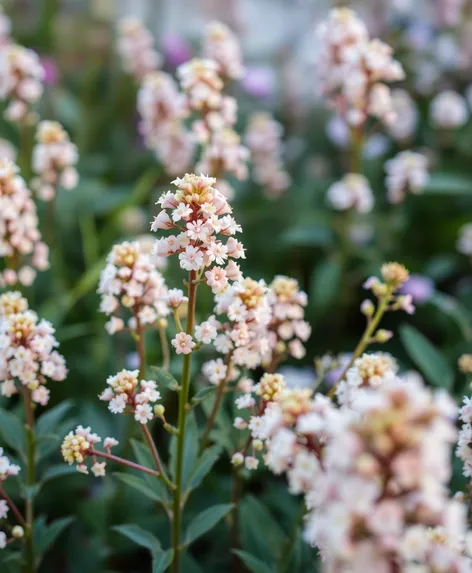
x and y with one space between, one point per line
205 332
183 343
216 279
191 259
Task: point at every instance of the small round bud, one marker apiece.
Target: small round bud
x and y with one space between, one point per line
162 323
18 532
383 335
237 459
394 274
258 445
33 385
459 496
159 410
367 307
465 363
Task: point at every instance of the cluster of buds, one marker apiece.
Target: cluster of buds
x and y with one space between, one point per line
27 350
224 153
354 70
21 84
126 393
368 371
162 109
288 330
136 48
78 446
7 469
131 281
263 138
54 160
351 192
19 233
200 212
393 451
222 46
394 277
407 172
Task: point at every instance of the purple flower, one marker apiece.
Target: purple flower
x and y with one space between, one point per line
259 81
176 50
51 73
420 287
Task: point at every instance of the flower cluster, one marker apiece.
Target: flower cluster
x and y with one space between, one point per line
395 275
352 192
27 350
54 160
126 393
393 451
224 153
407 172
288 330
449 110
19 234
79 445
136 48
354 70
161 107
222 46
406 115
464 445
263 138
368 371
131 280
7 469
21 85
200 212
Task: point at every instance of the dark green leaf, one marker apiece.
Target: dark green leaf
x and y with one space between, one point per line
428 359
48 421
165 378
141 485
12 431
144 457
205 521
58 471
161 561
325 284
204 465
203 394
310 236
139 536
47 534
449 184
190 450
252 563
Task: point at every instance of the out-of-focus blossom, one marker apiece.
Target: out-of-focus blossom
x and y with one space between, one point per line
51 72
449 12
407 172
259 81
420 287
406 112
5 29
351 192
263 138
175 49
464 242
21 77
222 46
338 131
136 48
375 146
298 377
449 110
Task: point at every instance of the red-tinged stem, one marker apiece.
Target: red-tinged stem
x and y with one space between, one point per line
124 462
13 507
157 459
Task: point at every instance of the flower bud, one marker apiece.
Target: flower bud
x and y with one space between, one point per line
367 307
237 459
383 335
159 410
18 532
258 445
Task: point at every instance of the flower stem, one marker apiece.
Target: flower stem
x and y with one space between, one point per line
157 460
13 507
165 348
31 479
140 345
124 462
366 337
182 422
217 403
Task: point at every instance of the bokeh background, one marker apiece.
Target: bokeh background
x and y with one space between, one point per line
296 234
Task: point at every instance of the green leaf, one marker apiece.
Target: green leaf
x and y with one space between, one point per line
205 521
46 535
203 394
252 563
144 457
58 471
139 484
48 421
139 536
190 450
428 359
12 431
165 378
204 465
309 236
325 284
456 311
161 561
443 183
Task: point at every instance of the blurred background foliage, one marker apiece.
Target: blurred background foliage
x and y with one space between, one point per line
296 235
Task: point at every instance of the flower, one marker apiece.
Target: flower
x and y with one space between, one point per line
263 138
22 76
419 287
54 160
205 332
3 509
406 115
183 343
131 280
352 192
136 48
222 46
98 469
259 81
406 173
449 110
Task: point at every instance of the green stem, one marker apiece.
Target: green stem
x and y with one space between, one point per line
140 345
366 337
31 480
164 348
182 422
357 137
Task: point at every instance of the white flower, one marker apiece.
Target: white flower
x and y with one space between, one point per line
183 343
143 413
98 469
353 191
205 332
449 110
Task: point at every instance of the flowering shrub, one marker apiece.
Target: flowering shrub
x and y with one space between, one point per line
185 252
